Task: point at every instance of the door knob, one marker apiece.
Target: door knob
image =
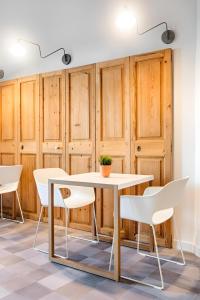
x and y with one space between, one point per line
22 147
58 148
139 148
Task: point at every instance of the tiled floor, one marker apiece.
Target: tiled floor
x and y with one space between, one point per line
27 274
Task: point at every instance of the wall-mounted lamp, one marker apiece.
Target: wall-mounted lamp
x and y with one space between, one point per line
1 74
126 19
167 36
19 50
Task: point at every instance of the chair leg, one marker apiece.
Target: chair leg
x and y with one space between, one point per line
36 234
85 239
158 258
162 258
66 231
138 241
180 244
1 206
161 287
111 255
19 204
95 222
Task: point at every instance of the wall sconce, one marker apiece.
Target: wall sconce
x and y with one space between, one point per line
1 74
126 19
19 50
167 36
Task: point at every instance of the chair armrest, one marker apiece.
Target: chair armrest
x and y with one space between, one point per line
152 190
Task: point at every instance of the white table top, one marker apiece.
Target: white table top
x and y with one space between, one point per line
94 179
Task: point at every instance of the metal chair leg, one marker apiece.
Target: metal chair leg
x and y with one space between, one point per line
20 208
111 255
85 239
138 240
180 244
66 231
1 206
36 234
95 222
159 266
19 204
162 258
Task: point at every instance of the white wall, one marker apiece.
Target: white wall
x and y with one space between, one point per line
197 139
87 29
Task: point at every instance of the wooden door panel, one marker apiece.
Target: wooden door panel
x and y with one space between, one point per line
52 87
8 109
149 93
8 136
28 136
79 106
28 110
28 187
52 126
8 159
80 123
151 102
112 129
54 161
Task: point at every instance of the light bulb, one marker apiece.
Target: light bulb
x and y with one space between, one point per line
125 20
17 50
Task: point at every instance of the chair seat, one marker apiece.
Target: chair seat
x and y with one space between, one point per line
162 216
7 188
76 202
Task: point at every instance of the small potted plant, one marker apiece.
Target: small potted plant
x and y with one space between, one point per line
105 165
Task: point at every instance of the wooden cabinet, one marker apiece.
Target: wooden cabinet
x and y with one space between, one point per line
52 125
112 129
80 132
28 142
8 135
151 124
68 118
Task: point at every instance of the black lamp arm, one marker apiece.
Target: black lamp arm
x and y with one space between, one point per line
66 58
39 48
162 23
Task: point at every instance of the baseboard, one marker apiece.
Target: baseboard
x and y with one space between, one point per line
187 246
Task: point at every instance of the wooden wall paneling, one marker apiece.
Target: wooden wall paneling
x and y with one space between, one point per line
151 123
8 136
28 137
52 125
112 129
80 132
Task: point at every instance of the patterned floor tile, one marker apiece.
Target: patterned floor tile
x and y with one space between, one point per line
26 274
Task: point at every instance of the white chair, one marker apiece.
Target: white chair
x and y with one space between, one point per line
9 182
154 207
79 197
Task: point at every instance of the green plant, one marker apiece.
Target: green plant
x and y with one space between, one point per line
105 160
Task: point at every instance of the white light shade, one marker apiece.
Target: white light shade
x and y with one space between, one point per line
17 50
125 20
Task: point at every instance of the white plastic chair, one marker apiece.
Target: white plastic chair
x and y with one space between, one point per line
155 207
79 197
9 182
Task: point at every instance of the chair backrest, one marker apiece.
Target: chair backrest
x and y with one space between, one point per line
143 208
10 175
41 178
170 195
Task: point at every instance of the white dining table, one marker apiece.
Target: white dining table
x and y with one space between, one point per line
116 182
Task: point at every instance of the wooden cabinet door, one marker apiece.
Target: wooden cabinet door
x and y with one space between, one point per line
52 125
8 135
80 129
112 129
28 137
151 123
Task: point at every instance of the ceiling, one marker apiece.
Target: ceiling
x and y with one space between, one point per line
85 28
